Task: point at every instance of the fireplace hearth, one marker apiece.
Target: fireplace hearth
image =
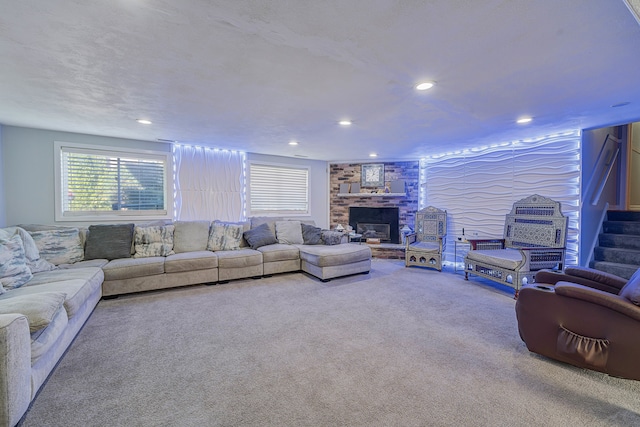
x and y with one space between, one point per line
374 222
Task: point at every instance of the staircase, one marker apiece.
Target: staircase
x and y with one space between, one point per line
618 251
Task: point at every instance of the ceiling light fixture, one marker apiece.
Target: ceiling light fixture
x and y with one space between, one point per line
293 143
524 120
345 122
425 85
144 121
373 155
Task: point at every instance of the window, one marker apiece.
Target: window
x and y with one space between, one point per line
99 182
278 190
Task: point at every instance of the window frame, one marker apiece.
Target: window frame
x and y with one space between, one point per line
281 212
120 215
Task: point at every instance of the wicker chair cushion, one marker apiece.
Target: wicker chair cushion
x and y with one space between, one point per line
509 259
424 247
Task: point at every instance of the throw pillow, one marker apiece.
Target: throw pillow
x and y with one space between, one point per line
311 235
289 232
109 241
331 237
260 236
631 290
224 236
39 308
14 271
34 262
60 245
155 240
190 236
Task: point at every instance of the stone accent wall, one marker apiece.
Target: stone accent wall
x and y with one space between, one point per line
341 173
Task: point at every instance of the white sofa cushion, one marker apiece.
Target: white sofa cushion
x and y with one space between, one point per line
508 258
39 308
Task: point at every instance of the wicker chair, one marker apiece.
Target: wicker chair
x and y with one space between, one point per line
534 239
424 247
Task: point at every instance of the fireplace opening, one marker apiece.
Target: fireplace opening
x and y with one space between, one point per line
379 223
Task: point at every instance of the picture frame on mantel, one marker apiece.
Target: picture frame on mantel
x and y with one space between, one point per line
372 175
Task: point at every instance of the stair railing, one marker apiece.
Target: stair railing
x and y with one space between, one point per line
609 153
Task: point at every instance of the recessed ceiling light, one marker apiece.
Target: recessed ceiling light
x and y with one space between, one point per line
425 85
345 122
144 121
523 120
373 155
293 143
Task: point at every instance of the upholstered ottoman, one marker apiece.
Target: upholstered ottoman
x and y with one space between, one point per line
327 262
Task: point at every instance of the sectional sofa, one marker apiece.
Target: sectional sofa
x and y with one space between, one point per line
51 278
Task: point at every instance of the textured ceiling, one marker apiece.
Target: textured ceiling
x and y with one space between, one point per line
254 75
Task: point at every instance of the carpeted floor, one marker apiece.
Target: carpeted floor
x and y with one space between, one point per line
398 347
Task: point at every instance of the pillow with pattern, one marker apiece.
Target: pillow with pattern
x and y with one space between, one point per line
60 245
14 271
224 236
155 240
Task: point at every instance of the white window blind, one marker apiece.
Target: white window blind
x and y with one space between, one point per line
104 183
278 190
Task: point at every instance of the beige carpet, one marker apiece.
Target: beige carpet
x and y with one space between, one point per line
398 347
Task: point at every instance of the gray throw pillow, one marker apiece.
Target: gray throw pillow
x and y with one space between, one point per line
109 241
330 237
311 235
260 236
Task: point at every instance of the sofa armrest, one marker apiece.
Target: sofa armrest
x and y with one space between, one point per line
15 368
552 277
602 298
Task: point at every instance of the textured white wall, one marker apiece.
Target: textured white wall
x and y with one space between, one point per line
28 172
478 188
3 211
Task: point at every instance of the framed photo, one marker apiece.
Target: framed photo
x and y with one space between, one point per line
373 175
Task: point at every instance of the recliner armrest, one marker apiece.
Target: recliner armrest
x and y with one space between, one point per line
597 276
595 296
552 277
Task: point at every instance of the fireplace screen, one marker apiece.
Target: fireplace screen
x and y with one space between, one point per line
374 231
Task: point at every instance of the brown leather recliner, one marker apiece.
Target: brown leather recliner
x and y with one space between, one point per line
584 317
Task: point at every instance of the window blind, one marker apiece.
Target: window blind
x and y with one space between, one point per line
96 181
278 189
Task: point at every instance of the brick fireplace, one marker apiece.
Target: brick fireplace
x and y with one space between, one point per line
406 204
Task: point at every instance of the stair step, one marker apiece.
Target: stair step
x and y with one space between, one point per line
622 241
621 270
623 215
622 256
621 227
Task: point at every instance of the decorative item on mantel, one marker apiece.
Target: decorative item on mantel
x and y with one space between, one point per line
355 188
344 188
